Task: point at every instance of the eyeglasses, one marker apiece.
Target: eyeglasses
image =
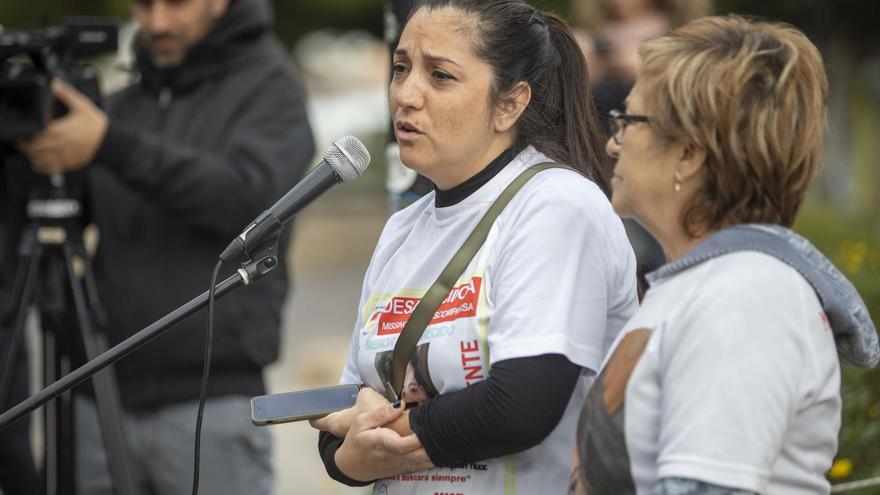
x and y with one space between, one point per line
620 120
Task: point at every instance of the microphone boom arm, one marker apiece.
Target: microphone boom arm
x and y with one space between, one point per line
263 262
344 160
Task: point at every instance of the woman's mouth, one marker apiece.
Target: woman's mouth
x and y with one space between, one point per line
406 131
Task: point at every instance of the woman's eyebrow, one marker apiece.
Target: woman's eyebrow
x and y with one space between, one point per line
433 58
438 58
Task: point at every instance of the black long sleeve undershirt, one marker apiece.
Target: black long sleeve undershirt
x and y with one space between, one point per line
328 444
513 410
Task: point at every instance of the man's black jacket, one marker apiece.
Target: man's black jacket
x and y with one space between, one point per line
191 156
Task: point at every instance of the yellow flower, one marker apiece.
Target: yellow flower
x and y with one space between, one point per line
853 255
841 469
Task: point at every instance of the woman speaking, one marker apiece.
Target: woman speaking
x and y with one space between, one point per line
727 379
481 92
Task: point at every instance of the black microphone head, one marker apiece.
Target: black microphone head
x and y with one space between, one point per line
348 157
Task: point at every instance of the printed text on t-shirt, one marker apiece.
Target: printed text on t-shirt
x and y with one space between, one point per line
461 302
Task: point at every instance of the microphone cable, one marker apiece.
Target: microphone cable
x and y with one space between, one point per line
206 370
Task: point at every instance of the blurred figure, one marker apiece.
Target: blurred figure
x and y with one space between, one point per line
610 34
212 133
727 380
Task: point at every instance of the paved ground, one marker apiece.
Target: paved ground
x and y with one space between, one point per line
332 244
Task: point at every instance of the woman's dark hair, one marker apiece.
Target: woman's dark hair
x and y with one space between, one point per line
522 43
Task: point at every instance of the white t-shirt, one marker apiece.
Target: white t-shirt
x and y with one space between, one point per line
734 381
555 275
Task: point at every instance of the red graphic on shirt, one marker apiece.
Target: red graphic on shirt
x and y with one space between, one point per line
471 363
460 303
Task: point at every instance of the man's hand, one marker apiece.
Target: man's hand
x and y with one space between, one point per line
371 451
70 142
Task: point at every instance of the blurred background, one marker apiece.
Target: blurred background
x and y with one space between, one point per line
338 47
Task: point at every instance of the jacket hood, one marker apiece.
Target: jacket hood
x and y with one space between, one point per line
854 332
243 23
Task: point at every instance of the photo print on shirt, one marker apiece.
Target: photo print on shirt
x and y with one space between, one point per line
601 462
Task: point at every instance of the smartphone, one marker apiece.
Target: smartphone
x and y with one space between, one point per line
304 404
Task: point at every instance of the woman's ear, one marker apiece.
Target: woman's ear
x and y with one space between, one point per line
512 106
691 161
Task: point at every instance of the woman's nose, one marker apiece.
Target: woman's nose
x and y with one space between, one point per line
408 92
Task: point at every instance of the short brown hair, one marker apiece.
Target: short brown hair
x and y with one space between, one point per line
753 94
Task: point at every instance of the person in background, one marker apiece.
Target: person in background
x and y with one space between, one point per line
483 90
609 32
213 131
727 380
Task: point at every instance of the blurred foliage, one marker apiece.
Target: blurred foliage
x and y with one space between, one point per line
852 243
38 13
293 18
855 19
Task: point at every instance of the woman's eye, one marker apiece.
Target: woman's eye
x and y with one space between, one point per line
442 76
398 68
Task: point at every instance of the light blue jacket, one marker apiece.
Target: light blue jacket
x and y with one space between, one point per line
854 332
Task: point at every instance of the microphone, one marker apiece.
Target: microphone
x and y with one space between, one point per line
344 160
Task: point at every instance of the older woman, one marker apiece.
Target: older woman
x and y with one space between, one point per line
727 379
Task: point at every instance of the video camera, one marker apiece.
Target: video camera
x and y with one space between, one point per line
30 59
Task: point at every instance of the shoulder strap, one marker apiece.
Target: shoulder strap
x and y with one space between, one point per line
425 309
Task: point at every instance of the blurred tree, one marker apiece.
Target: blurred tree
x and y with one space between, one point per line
293 18
856 19
36 13
555 6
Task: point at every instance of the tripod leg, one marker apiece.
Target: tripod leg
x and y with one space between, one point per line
25 288
18 472
107 398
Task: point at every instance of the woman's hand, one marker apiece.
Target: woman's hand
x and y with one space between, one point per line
336 423
372 451
339 422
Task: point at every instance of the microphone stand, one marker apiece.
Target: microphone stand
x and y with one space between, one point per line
262 259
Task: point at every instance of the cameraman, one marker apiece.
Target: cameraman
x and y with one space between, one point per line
214 131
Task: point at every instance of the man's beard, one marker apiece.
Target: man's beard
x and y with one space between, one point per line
165 60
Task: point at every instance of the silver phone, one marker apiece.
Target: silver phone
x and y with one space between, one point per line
304 404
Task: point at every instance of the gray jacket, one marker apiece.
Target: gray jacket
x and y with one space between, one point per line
191 156
854 332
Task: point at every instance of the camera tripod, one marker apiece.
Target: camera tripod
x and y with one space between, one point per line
53 271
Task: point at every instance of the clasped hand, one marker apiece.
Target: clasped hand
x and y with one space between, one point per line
378 441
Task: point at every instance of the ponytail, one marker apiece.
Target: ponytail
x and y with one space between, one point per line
522 43
582 136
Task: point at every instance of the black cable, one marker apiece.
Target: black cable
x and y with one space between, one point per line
206 370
